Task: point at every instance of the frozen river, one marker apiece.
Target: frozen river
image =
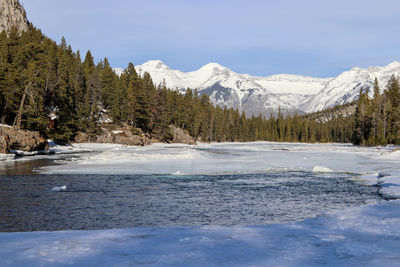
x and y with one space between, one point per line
211 204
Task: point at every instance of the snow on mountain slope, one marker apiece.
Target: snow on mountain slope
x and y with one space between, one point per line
346 87
266 95
118 71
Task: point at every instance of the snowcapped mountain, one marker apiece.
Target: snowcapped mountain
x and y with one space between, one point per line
266 95
346 87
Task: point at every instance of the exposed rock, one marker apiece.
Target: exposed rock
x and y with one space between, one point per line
116 135
17 139
12 13
82 138
126 135
26 140
4 144
180 136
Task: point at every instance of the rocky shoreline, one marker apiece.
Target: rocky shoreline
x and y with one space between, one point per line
125 135
23 142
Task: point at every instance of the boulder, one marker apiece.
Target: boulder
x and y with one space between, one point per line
4 145
180 136
82 137
17 139
26 140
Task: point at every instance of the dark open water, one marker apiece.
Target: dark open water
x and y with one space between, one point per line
120 201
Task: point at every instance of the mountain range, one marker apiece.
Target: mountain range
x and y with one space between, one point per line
267 95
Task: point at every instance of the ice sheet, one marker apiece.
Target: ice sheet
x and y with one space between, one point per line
362 236
216 158
238 158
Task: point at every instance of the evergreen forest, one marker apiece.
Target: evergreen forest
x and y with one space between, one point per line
48 87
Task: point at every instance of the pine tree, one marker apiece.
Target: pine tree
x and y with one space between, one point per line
393 96
108 83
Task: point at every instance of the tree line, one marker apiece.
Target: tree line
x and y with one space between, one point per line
377 120
48 87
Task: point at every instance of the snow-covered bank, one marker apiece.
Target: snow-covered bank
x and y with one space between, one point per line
362 236
25 162
388 178
53 150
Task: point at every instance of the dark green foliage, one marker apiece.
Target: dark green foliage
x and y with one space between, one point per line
377 120
81 94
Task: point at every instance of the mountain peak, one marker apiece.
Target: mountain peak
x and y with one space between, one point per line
213 66
155 64
12 13
395 64
266 95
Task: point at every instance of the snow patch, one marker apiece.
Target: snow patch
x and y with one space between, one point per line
118 71
5 125
321 169
178 173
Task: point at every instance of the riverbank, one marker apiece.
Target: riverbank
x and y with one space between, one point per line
30 143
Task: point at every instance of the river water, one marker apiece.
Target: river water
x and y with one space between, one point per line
104 201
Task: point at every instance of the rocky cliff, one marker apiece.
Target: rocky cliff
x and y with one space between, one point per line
12 13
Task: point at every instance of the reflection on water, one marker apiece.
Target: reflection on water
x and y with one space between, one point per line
23 167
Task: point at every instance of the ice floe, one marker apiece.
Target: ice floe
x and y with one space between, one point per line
59 188
321 169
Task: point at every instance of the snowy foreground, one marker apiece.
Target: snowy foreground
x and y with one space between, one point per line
361 236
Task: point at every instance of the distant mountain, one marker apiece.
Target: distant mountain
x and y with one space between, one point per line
12 13
266 95
346 87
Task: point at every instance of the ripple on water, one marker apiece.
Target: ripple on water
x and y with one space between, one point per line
119 201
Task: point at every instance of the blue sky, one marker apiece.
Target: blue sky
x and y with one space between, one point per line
307 37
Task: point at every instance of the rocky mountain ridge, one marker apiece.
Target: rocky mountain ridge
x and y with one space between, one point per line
12 13
266 95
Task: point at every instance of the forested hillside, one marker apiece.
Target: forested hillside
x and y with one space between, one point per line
47 87
377 120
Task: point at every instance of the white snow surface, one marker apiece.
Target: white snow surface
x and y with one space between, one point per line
367 235
118 71
361 236
321 169
213 73
255 94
